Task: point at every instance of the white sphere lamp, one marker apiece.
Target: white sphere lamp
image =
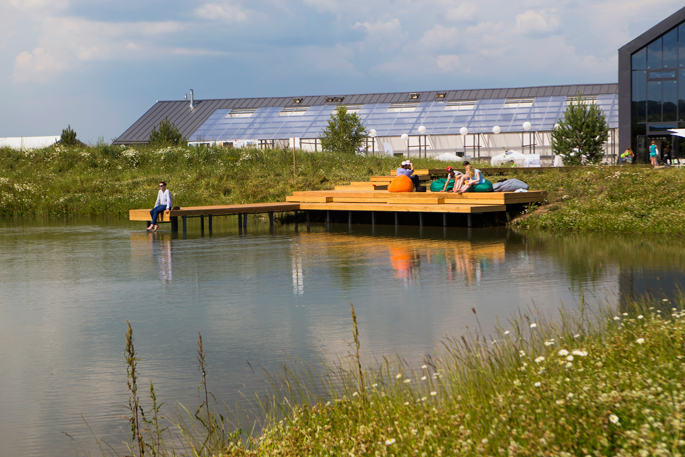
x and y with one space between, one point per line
422 130
527 125
464 131
496 130
373 133
404 137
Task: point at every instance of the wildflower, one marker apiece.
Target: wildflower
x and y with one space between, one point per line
406 403
640 341
407 381
423 378
390 441
424 366
517 382
560 402
577 335
424 398
616 318
563 352
355 394
537 384
507 332
374 385
569 358
433 393
579 352
549 343
664 299
522 354
625 314
570 395
399 375
533 325
613 418
640 316
569 364
539 359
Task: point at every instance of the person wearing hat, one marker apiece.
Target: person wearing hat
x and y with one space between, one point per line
407 169
451 174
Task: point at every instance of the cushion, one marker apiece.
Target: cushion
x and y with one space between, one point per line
482 187
438 184
401 183
510 185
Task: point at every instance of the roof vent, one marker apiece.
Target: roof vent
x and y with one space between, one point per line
192 99
297 101
414 95
334 99
440 96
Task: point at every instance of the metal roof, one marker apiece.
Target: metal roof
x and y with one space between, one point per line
208 120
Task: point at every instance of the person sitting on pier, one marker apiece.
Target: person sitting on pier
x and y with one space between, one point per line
474 176
462 178
407 169
452 174
163 203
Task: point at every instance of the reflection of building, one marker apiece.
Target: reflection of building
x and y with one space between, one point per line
161 248
651 84
636 282
298 275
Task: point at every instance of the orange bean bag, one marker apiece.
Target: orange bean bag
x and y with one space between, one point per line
401 183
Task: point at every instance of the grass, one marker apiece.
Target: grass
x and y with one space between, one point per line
596 382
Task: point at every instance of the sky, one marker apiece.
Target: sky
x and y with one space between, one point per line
99 65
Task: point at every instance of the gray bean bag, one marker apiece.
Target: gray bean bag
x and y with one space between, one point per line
510 185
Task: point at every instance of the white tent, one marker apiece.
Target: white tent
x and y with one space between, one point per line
28 142
520 160
447 157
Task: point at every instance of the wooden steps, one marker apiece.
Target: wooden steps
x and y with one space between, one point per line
409 208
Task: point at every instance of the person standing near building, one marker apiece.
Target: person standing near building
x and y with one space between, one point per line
653 154
666 155
163 203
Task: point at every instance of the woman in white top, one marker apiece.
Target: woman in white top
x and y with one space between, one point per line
163 203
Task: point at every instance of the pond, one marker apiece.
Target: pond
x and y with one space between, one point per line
68 289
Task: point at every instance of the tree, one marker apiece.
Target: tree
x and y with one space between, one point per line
68 137
344 133
167 134
582 132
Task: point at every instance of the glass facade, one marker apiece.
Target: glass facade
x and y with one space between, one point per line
658 88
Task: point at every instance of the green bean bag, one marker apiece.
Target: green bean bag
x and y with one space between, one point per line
438 184
483 187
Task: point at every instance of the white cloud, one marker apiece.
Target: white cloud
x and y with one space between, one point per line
449 63
225 12
327 60
536 22
440 37
382 35
37 65
465 11
38 5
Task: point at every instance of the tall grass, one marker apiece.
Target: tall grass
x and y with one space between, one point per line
594 382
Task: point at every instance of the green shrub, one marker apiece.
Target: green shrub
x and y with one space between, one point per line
166 133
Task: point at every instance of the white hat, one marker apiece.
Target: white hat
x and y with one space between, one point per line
406 162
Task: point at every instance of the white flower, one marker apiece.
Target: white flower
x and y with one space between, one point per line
390 441
625 314
424 398
577 335
399 375
522 354
639 317
433 393
407 381
616 318
533 325
613 418
539 359
563 352
424 366
664 299
517 382
549 343
570 395
569 358
374 385
507 332
406 403
560 402
579 352
423 378
355 394
569 364
640 341
537 384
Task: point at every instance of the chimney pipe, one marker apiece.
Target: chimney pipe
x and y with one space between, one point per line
192 99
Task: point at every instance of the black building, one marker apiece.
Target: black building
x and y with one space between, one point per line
651 87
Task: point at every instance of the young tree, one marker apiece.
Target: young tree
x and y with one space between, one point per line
167 134
344 133
68 137
582 132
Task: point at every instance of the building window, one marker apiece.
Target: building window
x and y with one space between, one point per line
639 60
670 100
681 96
461 106
639 97
241 112
662 74
681 48
670 51
519 102
354 108
584 100
654 57
654 101
297 111
402 107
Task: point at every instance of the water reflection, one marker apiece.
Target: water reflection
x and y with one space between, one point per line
155 246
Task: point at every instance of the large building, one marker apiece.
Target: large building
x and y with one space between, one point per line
648 101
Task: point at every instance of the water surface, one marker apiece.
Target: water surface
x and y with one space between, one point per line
68 288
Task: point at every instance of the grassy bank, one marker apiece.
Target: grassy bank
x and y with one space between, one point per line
596 383
109 180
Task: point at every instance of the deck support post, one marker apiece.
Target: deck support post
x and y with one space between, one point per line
420 219
271 219
202 223
396 219
184 224
349 217
174 223
444 219
209 219
468 220
240 221
373 218
308 217
328 216
245 221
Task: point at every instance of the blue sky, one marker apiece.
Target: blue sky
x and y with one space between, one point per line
98 65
